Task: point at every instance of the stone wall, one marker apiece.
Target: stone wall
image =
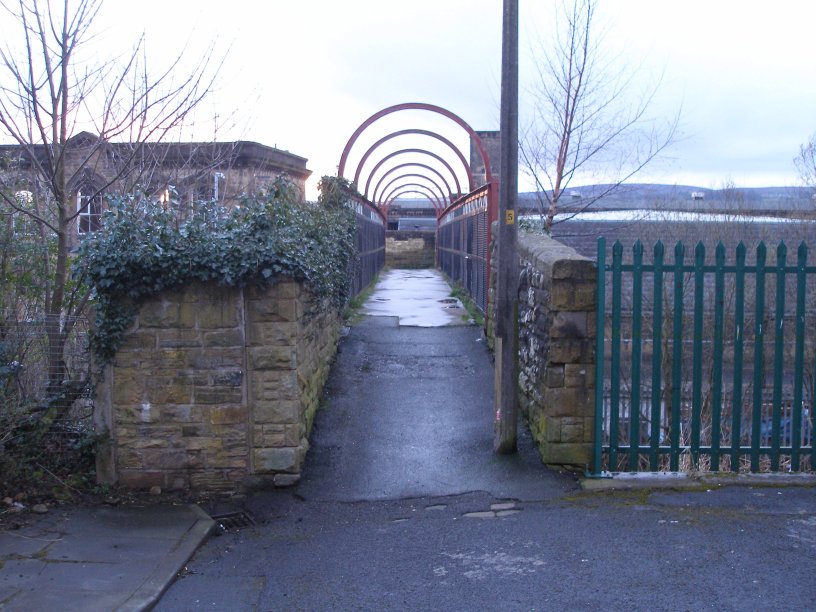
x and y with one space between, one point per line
216 388
556 348
410 249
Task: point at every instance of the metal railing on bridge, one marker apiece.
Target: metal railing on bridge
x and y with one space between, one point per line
371 224
705 365
463 242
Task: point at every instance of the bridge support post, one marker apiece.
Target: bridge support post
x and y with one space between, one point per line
506 348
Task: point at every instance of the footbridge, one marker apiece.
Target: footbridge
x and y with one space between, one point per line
418 162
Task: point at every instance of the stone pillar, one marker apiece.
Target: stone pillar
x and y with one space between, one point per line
557 348
216 388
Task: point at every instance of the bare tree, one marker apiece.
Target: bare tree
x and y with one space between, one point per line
806 162
49 99
584 117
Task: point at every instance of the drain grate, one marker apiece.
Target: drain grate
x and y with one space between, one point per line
234 520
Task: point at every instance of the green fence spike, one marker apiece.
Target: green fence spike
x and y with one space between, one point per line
739 341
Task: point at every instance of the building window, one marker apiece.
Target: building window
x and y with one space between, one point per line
90 213
22 224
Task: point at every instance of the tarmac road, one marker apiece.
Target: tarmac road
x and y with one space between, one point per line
404 506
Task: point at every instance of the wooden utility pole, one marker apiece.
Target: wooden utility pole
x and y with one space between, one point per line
506 300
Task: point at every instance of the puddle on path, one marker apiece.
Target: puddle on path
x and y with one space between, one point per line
420 298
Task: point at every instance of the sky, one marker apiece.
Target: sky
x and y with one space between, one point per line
302 76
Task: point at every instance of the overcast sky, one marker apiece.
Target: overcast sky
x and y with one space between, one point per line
302 75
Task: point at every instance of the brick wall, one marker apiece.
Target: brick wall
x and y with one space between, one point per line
216 388
556 348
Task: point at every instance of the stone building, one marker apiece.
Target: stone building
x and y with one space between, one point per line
491 140
176 173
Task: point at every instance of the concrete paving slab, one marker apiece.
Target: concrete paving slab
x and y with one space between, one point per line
98 558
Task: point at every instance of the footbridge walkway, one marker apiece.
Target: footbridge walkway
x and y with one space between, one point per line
408 404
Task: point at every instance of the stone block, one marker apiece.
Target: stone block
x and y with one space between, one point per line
280 412
208 444
274 309
187 315
129 459
160 313
570 350
276 459
228 379
549 429
130 415
182 414
276 435
576 267
161 360
215 359
272 385
210 394
217 315
567 402
198 429
128 387
179 338
572 429
286 289
128 360
138 341
572 296
579 455
569 325
280 333
578 375
554 376
227 415
142 443
272 358
178 390
211 481
169 459
141 479
223 338
586 296
199 293
589 429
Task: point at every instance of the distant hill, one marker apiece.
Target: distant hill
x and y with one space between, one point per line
679 197
653 196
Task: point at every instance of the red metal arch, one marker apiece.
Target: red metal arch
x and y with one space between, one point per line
449 195
444 201
387 205
428 192
439 158
418 132
438 206
418 106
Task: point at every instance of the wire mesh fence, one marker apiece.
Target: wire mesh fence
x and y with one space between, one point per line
44 374
463 242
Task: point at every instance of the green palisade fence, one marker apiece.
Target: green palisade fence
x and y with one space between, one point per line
705 365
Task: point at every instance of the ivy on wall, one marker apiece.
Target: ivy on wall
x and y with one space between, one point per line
144 248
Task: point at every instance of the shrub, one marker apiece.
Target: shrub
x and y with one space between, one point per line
144 248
